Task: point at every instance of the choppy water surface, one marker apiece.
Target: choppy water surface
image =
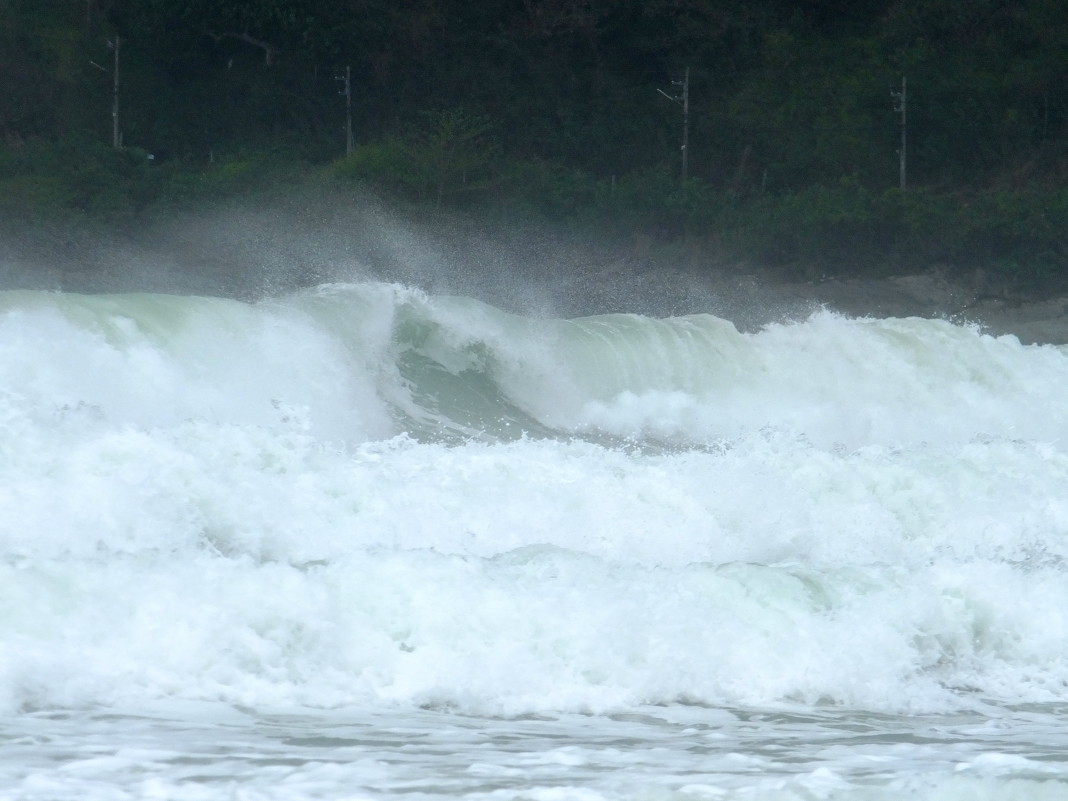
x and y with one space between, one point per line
361 542
647 752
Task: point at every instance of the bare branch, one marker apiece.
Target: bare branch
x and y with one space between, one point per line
269 50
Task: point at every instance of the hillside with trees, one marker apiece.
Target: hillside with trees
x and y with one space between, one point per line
114 113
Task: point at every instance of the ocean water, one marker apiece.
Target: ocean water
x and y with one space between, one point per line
361 542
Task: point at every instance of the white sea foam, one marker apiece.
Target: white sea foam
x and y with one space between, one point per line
270 506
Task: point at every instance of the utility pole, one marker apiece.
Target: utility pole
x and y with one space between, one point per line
346 90
116 134
901 106
684 101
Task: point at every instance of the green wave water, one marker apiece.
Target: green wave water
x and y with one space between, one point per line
361 541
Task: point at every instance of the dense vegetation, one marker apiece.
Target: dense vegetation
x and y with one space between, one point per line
549 110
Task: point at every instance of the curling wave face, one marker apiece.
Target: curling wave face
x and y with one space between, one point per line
364 494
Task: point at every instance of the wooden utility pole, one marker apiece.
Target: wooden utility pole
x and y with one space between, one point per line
902 104
116 134
346 90
684 101
685 124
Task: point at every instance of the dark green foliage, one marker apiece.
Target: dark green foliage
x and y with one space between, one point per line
445 155
92 183
75 176
549 109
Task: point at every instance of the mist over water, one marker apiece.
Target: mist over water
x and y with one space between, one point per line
454 537
307 237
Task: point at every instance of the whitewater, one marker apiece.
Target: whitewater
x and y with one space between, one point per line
361 541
